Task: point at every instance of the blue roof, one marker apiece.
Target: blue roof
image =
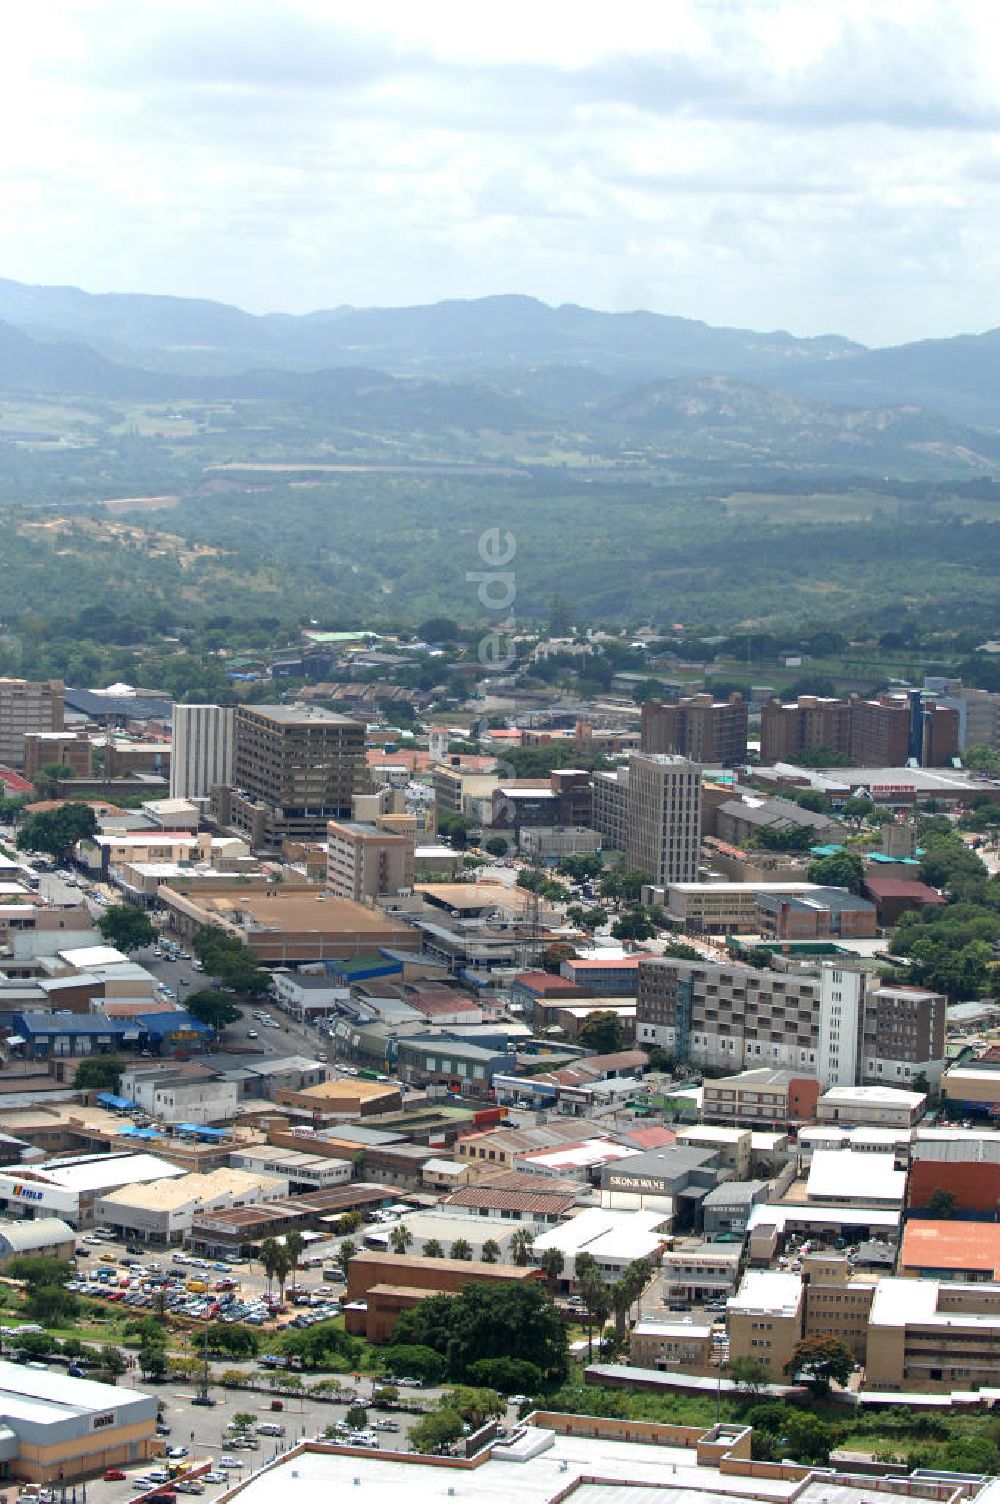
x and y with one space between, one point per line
71 1023
178 1021
133 1132
199 1130
108 1099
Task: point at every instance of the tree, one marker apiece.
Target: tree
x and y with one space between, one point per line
820 1361
295 1245
841 869
356 1417
38 1270
401 1238
496 846
345 1254
433 1249
98 1073
126 927
244 1419
213 1008
583 867
112 1360
413 1360
231 963
597 1303
602 1031
270 1258
436 1430
460 1249
750 1375
520 1246
152 1360
636 925
513 1320
57 831
490 1251
552 1263
325 1345
554 955
942 1204
680 951
48 775
53 1305
508 1375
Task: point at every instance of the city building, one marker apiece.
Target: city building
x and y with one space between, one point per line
27 705
761 1098
294 769
613 1239
203 743
961 1163
960 1252
722 908
288 924
364 862
58 1429
380 1286
66 749
708 731
871 1106
692 1276
71 1188
671 1345
764 1319
162 1212
663 822
926 1335
42 1235
738 820
824 914
831 1025
885 732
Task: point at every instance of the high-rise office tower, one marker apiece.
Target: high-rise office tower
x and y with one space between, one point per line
202 749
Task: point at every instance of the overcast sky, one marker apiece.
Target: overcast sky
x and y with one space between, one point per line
818 165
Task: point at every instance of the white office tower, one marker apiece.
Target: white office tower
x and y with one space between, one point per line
663 817
202 752
841 1002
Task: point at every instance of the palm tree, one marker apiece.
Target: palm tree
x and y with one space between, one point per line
345 1254
460 1249
552 1264
520 1245
433 1249
621 1300
282 1269
491 1251
270 1256
598 1306
401 1238
295 1245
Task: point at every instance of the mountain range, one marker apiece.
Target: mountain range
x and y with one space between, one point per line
512 362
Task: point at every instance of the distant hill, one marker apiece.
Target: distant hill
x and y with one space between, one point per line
741 417
200 336
958 376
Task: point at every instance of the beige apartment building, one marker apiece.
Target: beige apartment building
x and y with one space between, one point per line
27 705
927 1335
773 1310
722 908
663 826
365 863
671 1344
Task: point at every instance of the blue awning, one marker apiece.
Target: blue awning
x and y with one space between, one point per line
121 1104
133 1132
199 1130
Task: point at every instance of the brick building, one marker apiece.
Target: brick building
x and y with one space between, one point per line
703 729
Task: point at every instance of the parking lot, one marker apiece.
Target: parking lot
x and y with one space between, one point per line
202 1430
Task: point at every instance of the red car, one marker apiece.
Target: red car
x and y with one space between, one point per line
114 1475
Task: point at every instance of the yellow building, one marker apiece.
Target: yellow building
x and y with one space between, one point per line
765 1318
927 1335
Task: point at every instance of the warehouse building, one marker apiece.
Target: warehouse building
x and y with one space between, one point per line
45 1235
56 1429
162 1213
71 1188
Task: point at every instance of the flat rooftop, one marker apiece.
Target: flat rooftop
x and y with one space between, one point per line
539 1467
949 1246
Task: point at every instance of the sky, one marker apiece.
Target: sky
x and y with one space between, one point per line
814 165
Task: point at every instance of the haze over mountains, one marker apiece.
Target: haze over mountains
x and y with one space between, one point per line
513 362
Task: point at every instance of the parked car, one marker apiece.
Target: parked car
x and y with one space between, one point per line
114 1475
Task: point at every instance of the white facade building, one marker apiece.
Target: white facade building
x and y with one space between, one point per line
203 738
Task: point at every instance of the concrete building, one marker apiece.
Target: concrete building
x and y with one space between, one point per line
365 863
761 1098
692 1276
870 1106
845 1177
43 1235
294 770
708 731
927 1335
71 1188
828 1024
740 820
824 914
885 732
380 1286
308 996
957 1252
663 824
27 705
614 1239
61 1428
672 1182
68 749
671 1345
203 745
161 1213
764 1319
963 1162
721 908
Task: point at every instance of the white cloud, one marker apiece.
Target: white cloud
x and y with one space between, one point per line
814 164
